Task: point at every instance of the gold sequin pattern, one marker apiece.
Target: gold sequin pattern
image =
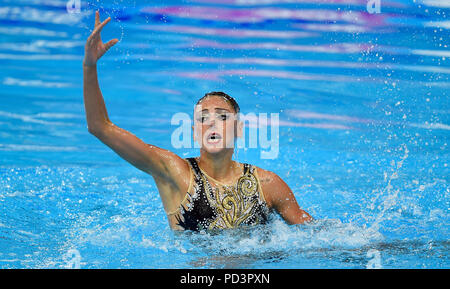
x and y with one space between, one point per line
233 204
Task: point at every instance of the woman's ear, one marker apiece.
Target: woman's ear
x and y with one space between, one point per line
194 134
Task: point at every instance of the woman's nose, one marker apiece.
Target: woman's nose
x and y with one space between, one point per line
212 121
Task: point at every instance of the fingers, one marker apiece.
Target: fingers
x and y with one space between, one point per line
108 45
98 28
111 43
97 18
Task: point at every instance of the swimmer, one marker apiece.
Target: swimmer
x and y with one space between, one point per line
199 193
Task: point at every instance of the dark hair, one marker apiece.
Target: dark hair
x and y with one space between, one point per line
228 98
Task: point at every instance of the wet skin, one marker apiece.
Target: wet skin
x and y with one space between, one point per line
216 128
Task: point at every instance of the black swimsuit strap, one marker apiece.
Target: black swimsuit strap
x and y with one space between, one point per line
195 166
246 168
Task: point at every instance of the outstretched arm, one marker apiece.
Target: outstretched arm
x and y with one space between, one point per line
96 114
162 164
280 198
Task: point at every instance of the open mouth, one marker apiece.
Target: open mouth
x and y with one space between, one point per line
214 138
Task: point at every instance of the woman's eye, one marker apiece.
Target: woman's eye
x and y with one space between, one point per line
204 118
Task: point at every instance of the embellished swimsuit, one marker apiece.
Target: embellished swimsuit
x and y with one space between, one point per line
225 206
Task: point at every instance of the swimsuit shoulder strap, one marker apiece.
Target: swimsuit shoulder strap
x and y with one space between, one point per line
194 165
247 168
196 169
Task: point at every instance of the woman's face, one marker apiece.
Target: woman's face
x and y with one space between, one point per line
215 124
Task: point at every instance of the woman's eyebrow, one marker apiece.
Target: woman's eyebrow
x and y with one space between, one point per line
222 109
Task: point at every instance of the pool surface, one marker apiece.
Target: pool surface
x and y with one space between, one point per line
364 127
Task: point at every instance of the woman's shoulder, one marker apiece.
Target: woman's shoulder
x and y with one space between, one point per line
263 173
271 182
267 178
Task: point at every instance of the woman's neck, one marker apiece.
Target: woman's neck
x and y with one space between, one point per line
219 166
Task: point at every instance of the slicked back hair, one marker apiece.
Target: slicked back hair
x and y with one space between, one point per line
228 98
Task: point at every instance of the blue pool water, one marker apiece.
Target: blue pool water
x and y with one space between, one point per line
364 129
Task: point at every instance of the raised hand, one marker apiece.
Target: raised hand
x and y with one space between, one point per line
95 48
